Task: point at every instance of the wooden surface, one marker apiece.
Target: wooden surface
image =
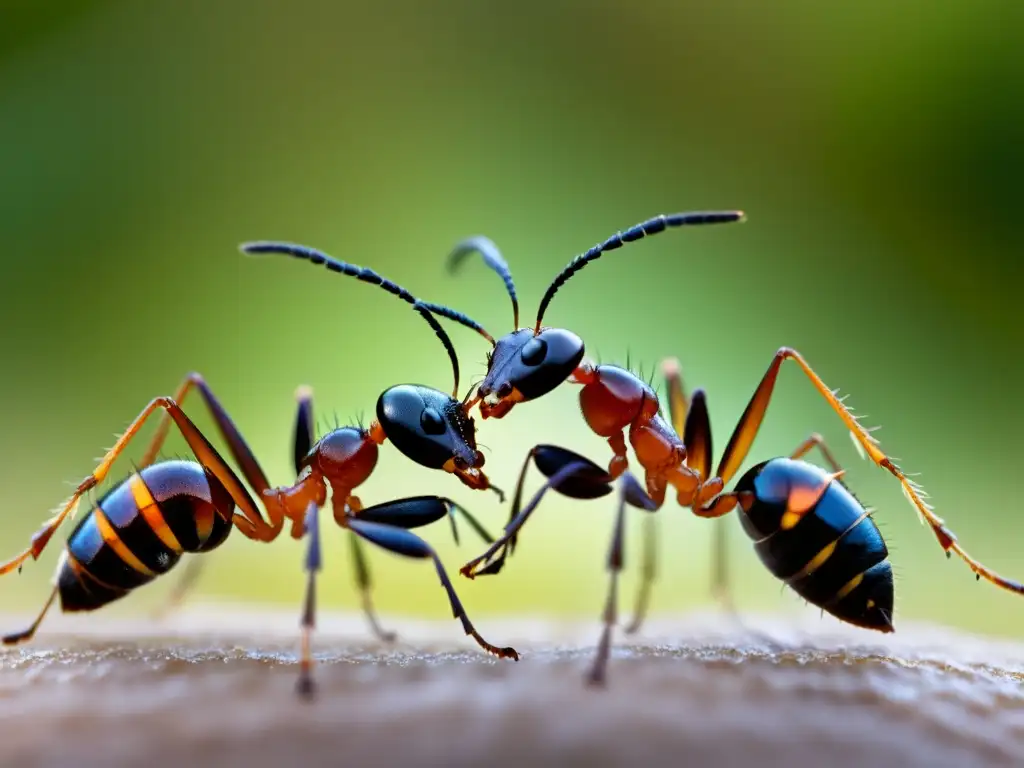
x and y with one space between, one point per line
217 685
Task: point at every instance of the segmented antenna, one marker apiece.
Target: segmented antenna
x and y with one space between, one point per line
458 317
367 276
492 258
649 227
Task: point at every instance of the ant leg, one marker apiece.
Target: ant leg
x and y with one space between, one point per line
619 463
648 572
587 481
819 441
305 687
693 423
405 513
403 542
416 512
750 422
365 584
187 580
304 435
250 522
26 634
630 492
239 449
303 441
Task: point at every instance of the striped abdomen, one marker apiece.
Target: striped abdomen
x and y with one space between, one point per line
139 531
831 552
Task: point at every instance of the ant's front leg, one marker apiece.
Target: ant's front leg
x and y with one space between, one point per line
413 512
568 473
395 538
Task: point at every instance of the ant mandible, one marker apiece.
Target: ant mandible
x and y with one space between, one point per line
140 529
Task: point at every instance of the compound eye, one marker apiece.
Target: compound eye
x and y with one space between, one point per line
534 351
431 422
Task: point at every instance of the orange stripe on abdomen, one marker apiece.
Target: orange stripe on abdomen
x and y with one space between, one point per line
112 540
151 513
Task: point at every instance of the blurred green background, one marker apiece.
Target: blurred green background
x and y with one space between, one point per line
876 150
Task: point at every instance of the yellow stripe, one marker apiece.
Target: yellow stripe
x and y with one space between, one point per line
150 511
819 559
816 562
112 540
851 585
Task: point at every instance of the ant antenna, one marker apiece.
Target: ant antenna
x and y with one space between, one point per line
367 276
492 258
649 227
451 314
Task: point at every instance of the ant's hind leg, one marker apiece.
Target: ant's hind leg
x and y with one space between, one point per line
750 422
303 441
250 522
26 634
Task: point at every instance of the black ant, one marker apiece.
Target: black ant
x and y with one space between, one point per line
140 529
808 529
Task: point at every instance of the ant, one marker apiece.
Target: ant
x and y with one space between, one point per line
141 528
528 363
808 529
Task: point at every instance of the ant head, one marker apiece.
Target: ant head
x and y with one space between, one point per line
429 427
529 363
525 366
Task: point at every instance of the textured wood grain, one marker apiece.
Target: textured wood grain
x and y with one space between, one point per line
217 686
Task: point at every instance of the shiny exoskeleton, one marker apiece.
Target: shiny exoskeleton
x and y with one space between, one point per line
813 534
826 547
142 527
428 426
140 530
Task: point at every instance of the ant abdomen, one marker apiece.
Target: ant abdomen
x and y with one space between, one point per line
139 531
813 534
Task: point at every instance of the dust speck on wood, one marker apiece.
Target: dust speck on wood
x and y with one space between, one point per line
217 686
